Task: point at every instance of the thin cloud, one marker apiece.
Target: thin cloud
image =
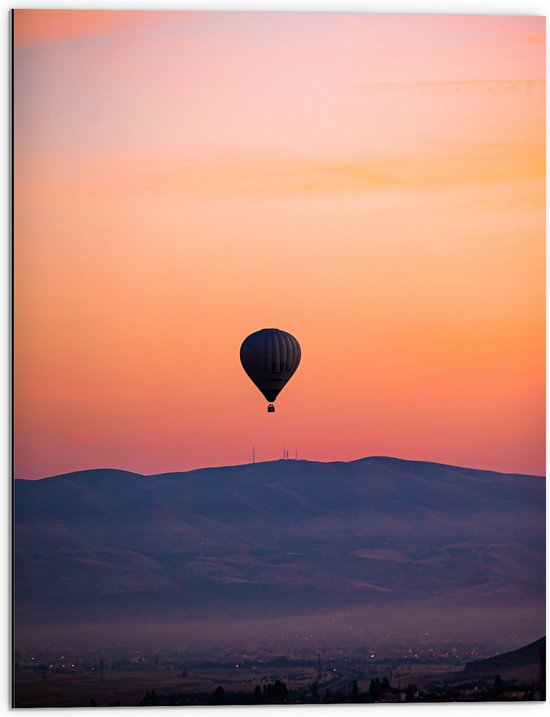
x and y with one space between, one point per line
442 166
439 165
500 85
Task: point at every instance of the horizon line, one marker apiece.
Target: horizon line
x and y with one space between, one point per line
280 460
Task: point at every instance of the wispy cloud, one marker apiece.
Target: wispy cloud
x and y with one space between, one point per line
445 85
443 164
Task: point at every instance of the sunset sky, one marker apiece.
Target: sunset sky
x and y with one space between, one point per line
373 184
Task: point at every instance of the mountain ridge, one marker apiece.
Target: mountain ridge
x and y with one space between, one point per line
281 538
388 459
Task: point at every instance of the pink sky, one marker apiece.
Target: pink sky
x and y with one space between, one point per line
373 184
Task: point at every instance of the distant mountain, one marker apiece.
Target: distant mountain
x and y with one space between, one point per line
524 666
528 656
279 538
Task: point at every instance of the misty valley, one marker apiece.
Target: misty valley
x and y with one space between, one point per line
371 580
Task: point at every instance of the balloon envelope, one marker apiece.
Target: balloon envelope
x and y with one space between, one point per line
270 357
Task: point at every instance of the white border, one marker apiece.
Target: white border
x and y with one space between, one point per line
484 7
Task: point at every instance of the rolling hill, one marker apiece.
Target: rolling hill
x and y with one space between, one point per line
283 539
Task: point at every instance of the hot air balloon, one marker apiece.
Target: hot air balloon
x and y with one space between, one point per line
270 357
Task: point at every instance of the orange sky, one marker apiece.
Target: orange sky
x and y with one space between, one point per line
373 184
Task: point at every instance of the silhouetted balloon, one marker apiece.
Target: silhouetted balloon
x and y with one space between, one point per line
270 357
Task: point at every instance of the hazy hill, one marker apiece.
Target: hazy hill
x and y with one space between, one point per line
525 660
522 666
281 539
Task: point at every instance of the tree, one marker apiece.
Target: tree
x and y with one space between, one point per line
219 695
354 691
375 688
280 690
